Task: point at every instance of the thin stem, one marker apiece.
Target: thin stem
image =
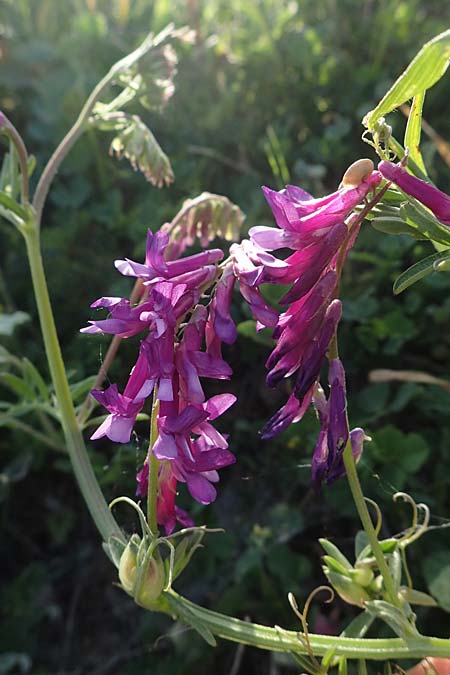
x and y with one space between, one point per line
153 466
280 640
85 476
22 155
360 503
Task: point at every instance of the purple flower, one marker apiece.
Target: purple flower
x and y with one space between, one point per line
156 268
119 424
304 221
220 323
438 202
124 320
328 463
292 411
249 270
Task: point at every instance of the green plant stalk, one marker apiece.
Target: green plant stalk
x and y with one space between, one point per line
84 473
280 640
360 503
153 466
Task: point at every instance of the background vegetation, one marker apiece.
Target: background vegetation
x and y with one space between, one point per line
270 91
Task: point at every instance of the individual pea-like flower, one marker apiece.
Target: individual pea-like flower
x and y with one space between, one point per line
437 201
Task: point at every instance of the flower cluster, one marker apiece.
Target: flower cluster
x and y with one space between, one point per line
188 447
316 231
183 339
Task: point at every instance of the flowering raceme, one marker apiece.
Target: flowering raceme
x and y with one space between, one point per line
317 231
188 447
182 340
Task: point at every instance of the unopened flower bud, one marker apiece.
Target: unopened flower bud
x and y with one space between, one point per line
377 584
362 576
128 568
150 582
348 589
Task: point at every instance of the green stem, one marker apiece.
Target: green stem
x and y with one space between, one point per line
360 503
85 476
153 466
281 640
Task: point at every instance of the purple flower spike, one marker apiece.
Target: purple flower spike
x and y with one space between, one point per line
438 202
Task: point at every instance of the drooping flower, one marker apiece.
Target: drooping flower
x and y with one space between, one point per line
156 268
437 201
321 237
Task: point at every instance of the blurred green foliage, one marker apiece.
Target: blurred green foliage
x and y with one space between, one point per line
269 90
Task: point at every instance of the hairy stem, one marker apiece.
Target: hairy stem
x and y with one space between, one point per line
361 506
84 473
280 640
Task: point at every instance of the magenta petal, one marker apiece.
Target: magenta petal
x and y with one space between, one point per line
438 202
165 447
116 427
209 366
200 488
272 239
217 405
103 429
190 417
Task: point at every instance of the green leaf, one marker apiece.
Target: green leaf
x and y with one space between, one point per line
12 205
34 377
21 388
79 390
361 543
437 574
394 225
334 565
427 67
185 549
359 626
418 597
418 217
189 617
418 271
335 553
413 129
393 616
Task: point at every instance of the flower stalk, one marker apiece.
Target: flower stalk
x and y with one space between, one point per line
360 503
84 473
152 495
